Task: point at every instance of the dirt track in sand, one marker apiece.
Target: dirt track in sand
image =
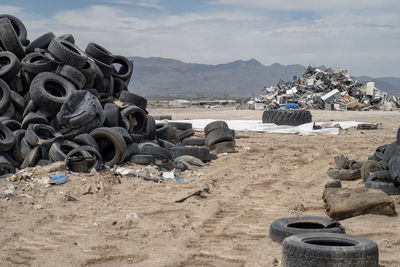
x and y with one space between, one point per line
135 222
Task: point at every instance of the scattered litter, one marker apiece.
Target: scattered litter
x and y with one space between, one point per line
59 178
205 188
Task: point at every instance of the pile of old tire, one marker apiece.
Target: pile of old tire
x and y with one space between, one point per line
320 241
58 103
287 117
382 169
219 138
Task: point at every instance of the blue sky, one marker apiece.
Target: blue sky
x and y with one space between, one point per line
360 35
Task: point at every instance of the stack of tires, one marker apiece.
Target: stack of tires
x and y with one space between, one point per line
58 102
219 138
311 241
287 117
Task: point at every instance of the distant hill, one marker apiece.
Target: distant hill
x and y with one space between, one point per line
390 85
156 76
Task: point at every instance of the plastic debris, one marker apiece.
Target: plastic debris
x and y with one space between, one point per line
59 178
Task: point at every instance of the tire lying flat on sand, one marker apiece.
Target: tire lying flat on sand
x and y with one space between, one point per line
287 117
329 249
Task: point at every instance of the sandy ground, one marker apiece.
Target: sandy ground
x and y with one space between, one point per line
136 222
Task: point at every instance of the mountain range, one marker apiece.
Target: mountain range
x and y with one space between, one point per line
161 77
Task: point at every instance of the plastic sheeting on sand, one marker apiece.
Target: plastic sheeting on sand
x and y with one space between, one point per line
328 128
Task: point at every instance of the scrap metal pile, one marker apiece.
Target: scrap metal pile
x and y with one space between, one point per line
331 89
59 103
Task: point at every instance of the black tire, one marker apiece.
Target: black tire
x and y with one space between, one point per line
18 101
36 63
329 249
165 144
111 144
86 151
5 96
137 138
287 117
42 42
398 137
382 180
42 135
166 132
219 135
9 38
183 126
19 28
68 37
111 112
214 125
49 91
10 66
86 140
32 158
138 115
30 107
124 133
143 159
132 149
124 72
67 53
13 125
15 151
106 69
194 141
59 151
394 166
200 152
150 132
7 138
119 86
5 166
100 53
25 148
10 112
131 98
185 134
162 117
89 70
99 82
156 151
284 227
72 74
33 118
389 152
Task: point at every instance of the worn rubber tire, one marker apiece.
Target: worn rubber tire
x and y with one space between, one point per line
214 125
156 151
125 71
10 66
150 131
58 151
7 139
67 53
89 71
72 74
194 141
119 86
42 135
42 42
394 166
49 91
284 227
13 125
5 96
287 117
166 132
18 101
113 138
83 150
223 147
368 167
388 153
25 148
111 112
143 159
86 140
19 28
5 166
133 99
183 126
33 118
185 134
15 152
200 152
35 63
138 114
32 158
124 133
9 38
132 149
219 135
100 53
329 249
382 180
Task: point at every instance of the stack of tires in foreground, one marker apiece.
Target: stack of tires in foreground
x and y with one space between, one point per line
287 117
311 241
219 138
58 103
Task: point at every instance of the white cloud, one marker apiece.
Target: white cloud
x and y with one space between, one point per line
364 40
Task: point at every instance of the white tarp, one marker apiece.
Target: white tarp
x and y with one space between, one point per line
328 128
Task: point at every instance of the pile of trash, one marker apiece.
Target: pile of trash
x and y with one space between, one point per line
59 103
330 89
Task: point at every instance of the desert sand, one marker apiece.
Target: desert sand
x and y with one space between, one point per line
136 222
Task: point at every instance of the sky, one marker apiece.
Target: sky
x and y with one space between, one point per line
362 36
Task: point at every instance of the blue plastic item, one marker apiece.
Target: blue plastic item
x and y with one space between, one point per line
291 106
59 178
